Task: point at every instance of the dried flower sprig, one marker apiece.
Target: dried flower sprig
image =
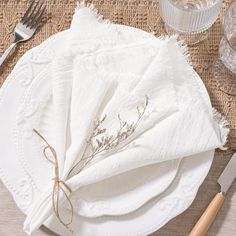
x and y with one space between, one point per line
99 141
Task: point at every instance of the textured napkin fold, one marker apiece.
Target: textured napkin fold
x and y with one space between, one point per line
103 70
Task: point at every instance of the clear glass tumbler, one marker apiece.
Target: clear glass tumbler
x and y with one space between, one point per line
190 19
225 66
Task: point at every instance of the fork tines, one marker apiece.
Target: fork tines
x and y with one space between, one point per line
34 14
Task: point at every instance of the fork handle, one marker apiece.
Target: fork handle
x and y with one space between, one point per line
6 53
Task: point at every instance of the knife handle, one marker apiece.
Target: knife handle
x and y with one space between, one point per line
207 218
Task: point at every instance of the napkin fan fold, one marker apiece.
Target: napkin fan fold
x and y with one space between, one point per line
104 72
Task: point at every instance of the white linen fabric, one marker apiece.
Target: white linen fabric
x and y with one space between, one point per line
103 70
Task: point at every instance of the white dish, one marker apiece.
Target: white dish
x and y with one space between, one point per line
23 99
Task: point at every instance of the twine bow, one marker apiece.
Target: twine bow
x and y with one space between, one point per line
59 185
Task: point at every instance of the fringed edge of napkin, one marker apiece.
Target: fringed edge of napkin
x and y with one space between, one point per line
180 43
223 127
221 124
219 119
182 46
99 17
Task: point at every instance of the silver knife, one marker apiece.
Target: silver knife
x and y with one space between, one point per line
225 180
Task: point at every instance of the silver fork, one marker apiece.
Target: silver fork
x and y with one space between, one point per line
26 27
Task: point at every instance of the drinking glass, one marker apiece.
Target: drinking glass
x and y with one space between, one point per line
190 19
224 68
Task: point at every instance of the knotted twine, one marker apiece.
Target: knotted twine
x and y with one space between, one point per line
59 185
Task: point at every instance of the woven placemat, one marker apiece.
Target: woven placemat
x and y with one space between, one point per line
143 14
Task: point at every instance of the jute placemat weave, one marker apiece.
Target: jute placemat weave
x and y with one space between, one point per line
142 14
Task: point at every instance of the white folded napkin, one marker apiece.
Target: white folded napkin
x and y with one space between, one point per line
107 69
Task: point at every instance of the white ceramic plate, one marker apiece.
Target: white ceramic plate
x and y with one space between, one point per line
25 102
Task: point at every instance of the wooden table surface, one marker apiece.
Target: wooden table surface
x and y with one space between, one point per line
11 219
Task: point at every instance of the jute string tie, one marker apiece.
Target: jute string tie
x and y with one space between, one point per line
59 185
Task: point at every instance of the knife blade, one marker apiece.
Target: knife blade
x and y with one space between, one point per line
225 180
228 175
